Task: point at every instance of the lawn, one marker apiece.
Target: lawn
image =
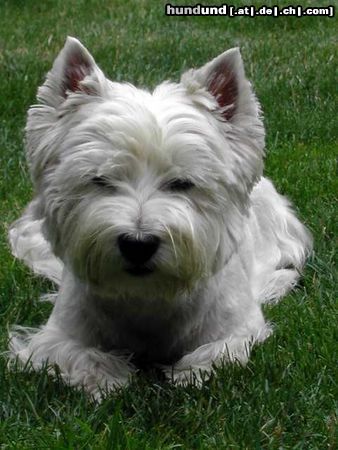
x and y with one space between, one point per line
285 397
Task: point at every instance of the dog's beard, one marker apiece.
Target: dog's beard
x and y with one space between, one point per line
87 233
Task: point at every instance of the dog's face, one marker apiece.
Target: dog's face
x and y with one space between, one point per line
144 193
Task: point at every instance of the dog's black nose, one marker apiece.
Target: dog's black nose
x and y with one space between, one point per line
138 251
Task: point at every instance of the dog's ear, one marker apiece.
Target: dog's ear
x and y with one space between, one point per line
74 70
224 78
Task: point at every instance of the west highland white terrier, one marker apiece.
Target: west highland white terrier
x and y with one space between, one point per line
152 215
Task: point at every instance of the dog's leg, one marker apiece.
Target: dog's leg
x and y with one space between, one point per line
80 365
197 366
242 328
281 243
231 325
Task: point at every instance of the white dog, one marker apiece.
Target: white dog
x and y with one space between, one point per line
152 214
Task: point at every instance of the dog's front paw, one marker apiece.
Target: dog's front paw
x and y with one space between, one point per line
99 387
98 373
197 366
184 376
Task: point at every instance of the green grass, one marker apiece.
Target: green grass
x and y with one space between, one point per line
285 397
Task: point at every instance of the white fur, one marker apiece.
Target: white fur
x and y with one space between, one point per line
226 245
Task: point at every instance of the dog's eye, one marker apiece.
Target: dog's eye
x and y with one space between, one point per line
179 185
102 182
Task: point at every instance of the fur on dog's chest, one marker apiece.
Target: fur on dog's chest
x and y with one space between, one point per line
149 339
150 345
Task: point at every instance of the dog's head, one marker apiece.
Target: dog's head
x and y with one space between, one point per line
144 192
